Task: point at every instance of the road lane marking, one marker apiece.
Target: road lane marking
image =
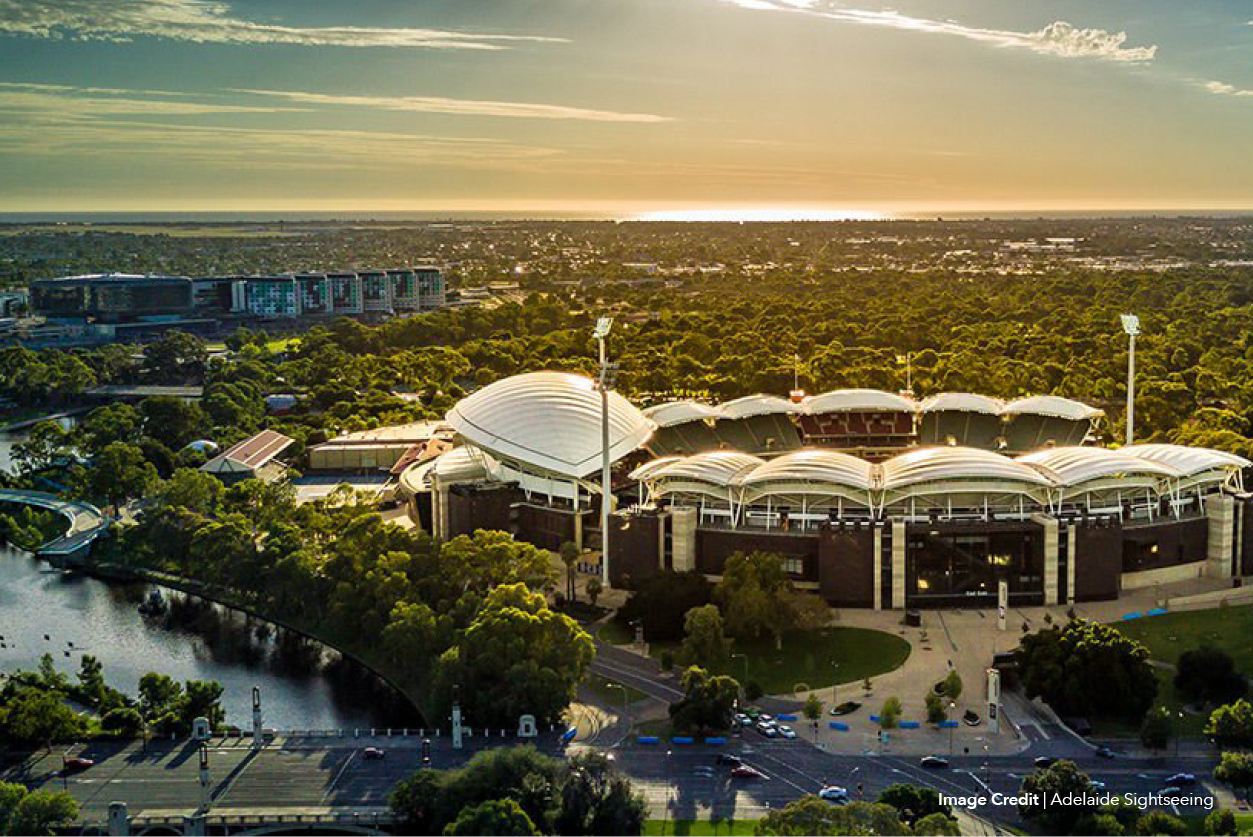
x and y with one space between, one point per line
335 780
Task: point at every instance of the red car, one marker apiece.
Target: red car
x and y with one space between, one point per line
746 772
78 763
372 753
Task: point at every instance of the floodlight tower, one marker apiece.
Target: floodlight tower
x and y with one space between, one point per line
1131 325
604 383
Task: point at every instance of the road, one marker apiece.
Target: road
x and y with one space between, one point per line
678 782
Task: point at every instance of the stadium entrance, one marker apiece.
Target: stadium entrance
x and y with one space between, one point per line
962 569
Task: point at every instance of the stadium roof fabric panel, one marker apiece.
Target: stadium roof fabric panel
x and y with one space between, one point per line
549 421
721 467
961 402
857 401
1188 461
1052 405
680 412
1076 465
755 405
463 463
651 467
940 464
815 466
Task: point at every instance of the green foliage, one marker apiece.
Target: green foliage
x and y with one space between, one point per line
123 721
172 421
1236 769
811 815
120 472
32 716
935 708
1208 675
1159 822
175 358
662 601
812 708
708 703
193 490
1062 778
39 812
939 825
1221 822
1087 669
913 802
705 643
1157 728
890 714
953 685
1232 724
496 816
756 596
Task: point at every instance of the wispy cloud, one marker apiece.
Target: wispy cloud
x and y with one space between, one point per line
209 21
1058 39
1222 88
24 99
460 107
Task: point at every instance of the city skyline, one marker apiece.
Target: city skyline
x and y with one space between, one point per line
717 108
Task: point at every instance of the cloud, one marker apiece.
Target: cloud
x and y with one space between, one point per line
208 21
1058 39
461 107
1222 88
25 99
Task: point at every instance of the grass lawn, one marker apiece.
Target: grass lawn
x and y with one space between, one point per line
615 633
699 827
1169 635
610 691
818 659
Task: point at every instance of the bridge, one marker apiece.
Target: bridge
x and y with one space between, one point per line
86 521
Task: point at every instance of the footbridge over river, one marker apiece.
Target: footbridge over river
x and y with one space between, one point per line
86 521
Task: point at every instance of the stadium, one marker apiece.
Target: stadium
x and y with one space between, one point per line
873 499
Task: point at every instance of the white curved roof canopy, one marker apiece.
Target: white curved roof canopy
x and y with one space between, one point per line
948 464
463 464
815 466
680 412
755 405
549 421
1188 461
721 468
1053 406
961 402
857 401
1071 466
652 466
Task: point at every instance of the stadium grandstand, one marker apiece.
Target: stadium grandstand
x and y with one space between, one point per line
929 521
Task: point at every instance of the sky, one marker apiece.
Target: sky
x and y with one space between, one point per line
635 106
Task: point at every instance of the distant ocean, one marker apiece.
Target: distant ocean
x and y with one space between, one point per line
693 215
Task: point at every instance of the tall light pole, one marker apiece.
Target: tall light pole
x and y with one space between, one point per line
605 384
1131 325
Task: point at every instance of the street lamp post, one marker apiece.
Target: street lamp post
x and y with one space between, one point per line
605 383
1131 325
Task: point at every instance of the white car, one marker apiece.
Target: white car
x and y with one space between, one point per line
786 731
743 720
834 793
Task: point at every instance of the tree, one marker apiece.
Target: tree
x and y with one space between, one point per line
202 699
705 643
11 794
171 421
123 721
416 801
594 588
108 424
662 601
91 681
33 716
953 685
516 657
497 816
158 694
192 489
569 554
1157 729
1221 822
757 596
890 714
1086 668
1236 769
597 799
174 358
937 825
46 443
812 709
119 473
708 703
935 708
811 815
1159 822
1061 778
1208 675
914 802
1232 724
42 812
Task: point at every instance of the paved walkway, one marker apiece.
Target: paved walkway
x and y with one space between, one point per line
86 521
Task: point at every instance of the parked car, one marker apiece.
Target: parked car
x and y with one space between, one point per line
1044 761
786 731
768 730
834 793
746 772
1104 753
1096 784
765 716
933 762
78 763
1181 779
372 753
729 759
743 720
